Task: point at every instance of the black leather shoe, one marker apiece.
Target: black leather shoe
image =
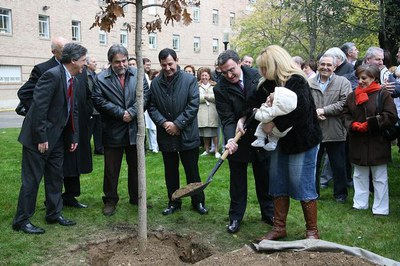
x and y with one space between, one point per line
200 208
170 210
76 205
233 227
268 219
61 221
28 229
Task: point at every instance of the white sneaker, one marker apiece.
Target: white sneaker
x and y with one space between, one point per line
258 143
204 153
217 155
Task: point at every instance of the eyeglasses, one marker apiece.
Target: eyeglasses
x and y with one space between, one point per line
231 70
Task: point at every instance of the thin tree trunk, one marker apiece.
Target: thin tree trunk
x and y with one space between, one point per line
142 231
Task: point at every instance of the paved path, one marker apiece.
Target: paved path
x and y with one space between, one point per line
9 119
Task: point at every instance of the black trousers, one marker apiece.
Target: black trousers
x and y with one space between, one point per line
238 188
337 157
72 189
112 166
34 166
189 160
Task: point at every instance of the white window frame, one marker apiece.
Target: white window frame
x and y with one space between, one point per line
196 14
5 21
44 27
152 41
176 42
215 16
232 17
215 46
10 74
123 37
196 44
102 37
76 30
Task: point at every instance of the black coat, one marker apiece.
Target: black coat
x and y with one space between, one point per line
48 115
111 101
80 161
25 93
176 101
231 105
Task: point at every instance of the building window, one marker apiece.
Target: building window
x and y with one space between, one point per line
102 37
44 27
215 46
10 74
123 38
215 17
152 41
76 31
5 21
231 19
196 44
176 42
196 14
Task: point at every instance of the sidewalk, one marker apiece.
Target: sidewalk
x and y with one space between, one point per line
10 119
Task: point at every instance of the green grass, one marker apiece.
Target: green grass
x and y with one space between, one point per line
336 222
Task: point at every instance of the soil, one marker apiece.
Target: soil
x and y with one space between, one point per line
167 248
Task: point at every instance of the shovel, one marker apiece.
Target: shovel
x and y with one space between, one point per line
197 187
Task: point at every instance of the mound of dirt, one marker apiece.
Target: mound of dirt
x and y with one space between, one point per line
165 248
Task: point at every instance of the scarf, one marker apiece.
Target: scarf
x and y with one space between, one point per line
362 93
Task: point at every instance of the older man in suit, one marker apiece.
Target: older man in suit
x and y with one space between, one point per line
51 123
25 93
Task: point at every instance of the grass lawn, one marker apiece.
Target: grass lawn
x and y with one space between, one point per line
337 223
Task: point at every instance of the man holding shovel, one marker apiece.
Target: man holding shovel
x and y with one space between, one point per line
236 84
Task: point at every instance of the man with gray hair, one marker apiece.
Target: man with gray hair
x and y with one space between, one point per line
114 96
330 93
50 125
342 66
351 52
375 56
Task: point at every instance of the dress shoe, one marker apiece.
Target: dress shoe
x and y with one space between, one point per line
61 221
109 209
200 208
233 227
268 219
76 205
170 210
28 228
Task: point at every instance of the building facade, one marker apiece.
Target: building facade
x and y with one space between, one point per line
27 27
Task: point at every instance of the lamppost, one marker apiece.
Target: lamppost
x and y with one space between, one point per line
225 40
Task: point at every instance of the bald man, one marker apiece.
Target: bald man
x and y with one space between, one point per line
25 93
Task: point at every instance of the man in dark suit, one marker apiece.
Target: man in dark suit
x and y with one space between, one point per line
231 93
51 120
25 93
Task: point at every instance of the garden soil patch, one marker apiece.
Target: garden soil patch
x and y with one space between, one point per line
167 248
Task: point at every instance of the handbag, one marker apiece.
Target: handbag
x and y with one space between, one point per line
392 132
21 110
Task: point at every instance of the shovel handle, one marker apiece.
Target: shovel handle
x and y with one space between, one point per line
235 139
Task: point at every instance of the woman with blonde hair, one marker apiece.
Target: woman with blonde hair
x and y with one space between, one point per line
293 163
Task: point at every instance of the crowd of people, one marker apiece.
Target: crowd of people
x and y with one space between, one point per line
299 124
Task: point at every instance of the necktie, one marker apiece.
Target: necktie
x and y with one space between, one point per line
70 93
122 80
241 85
